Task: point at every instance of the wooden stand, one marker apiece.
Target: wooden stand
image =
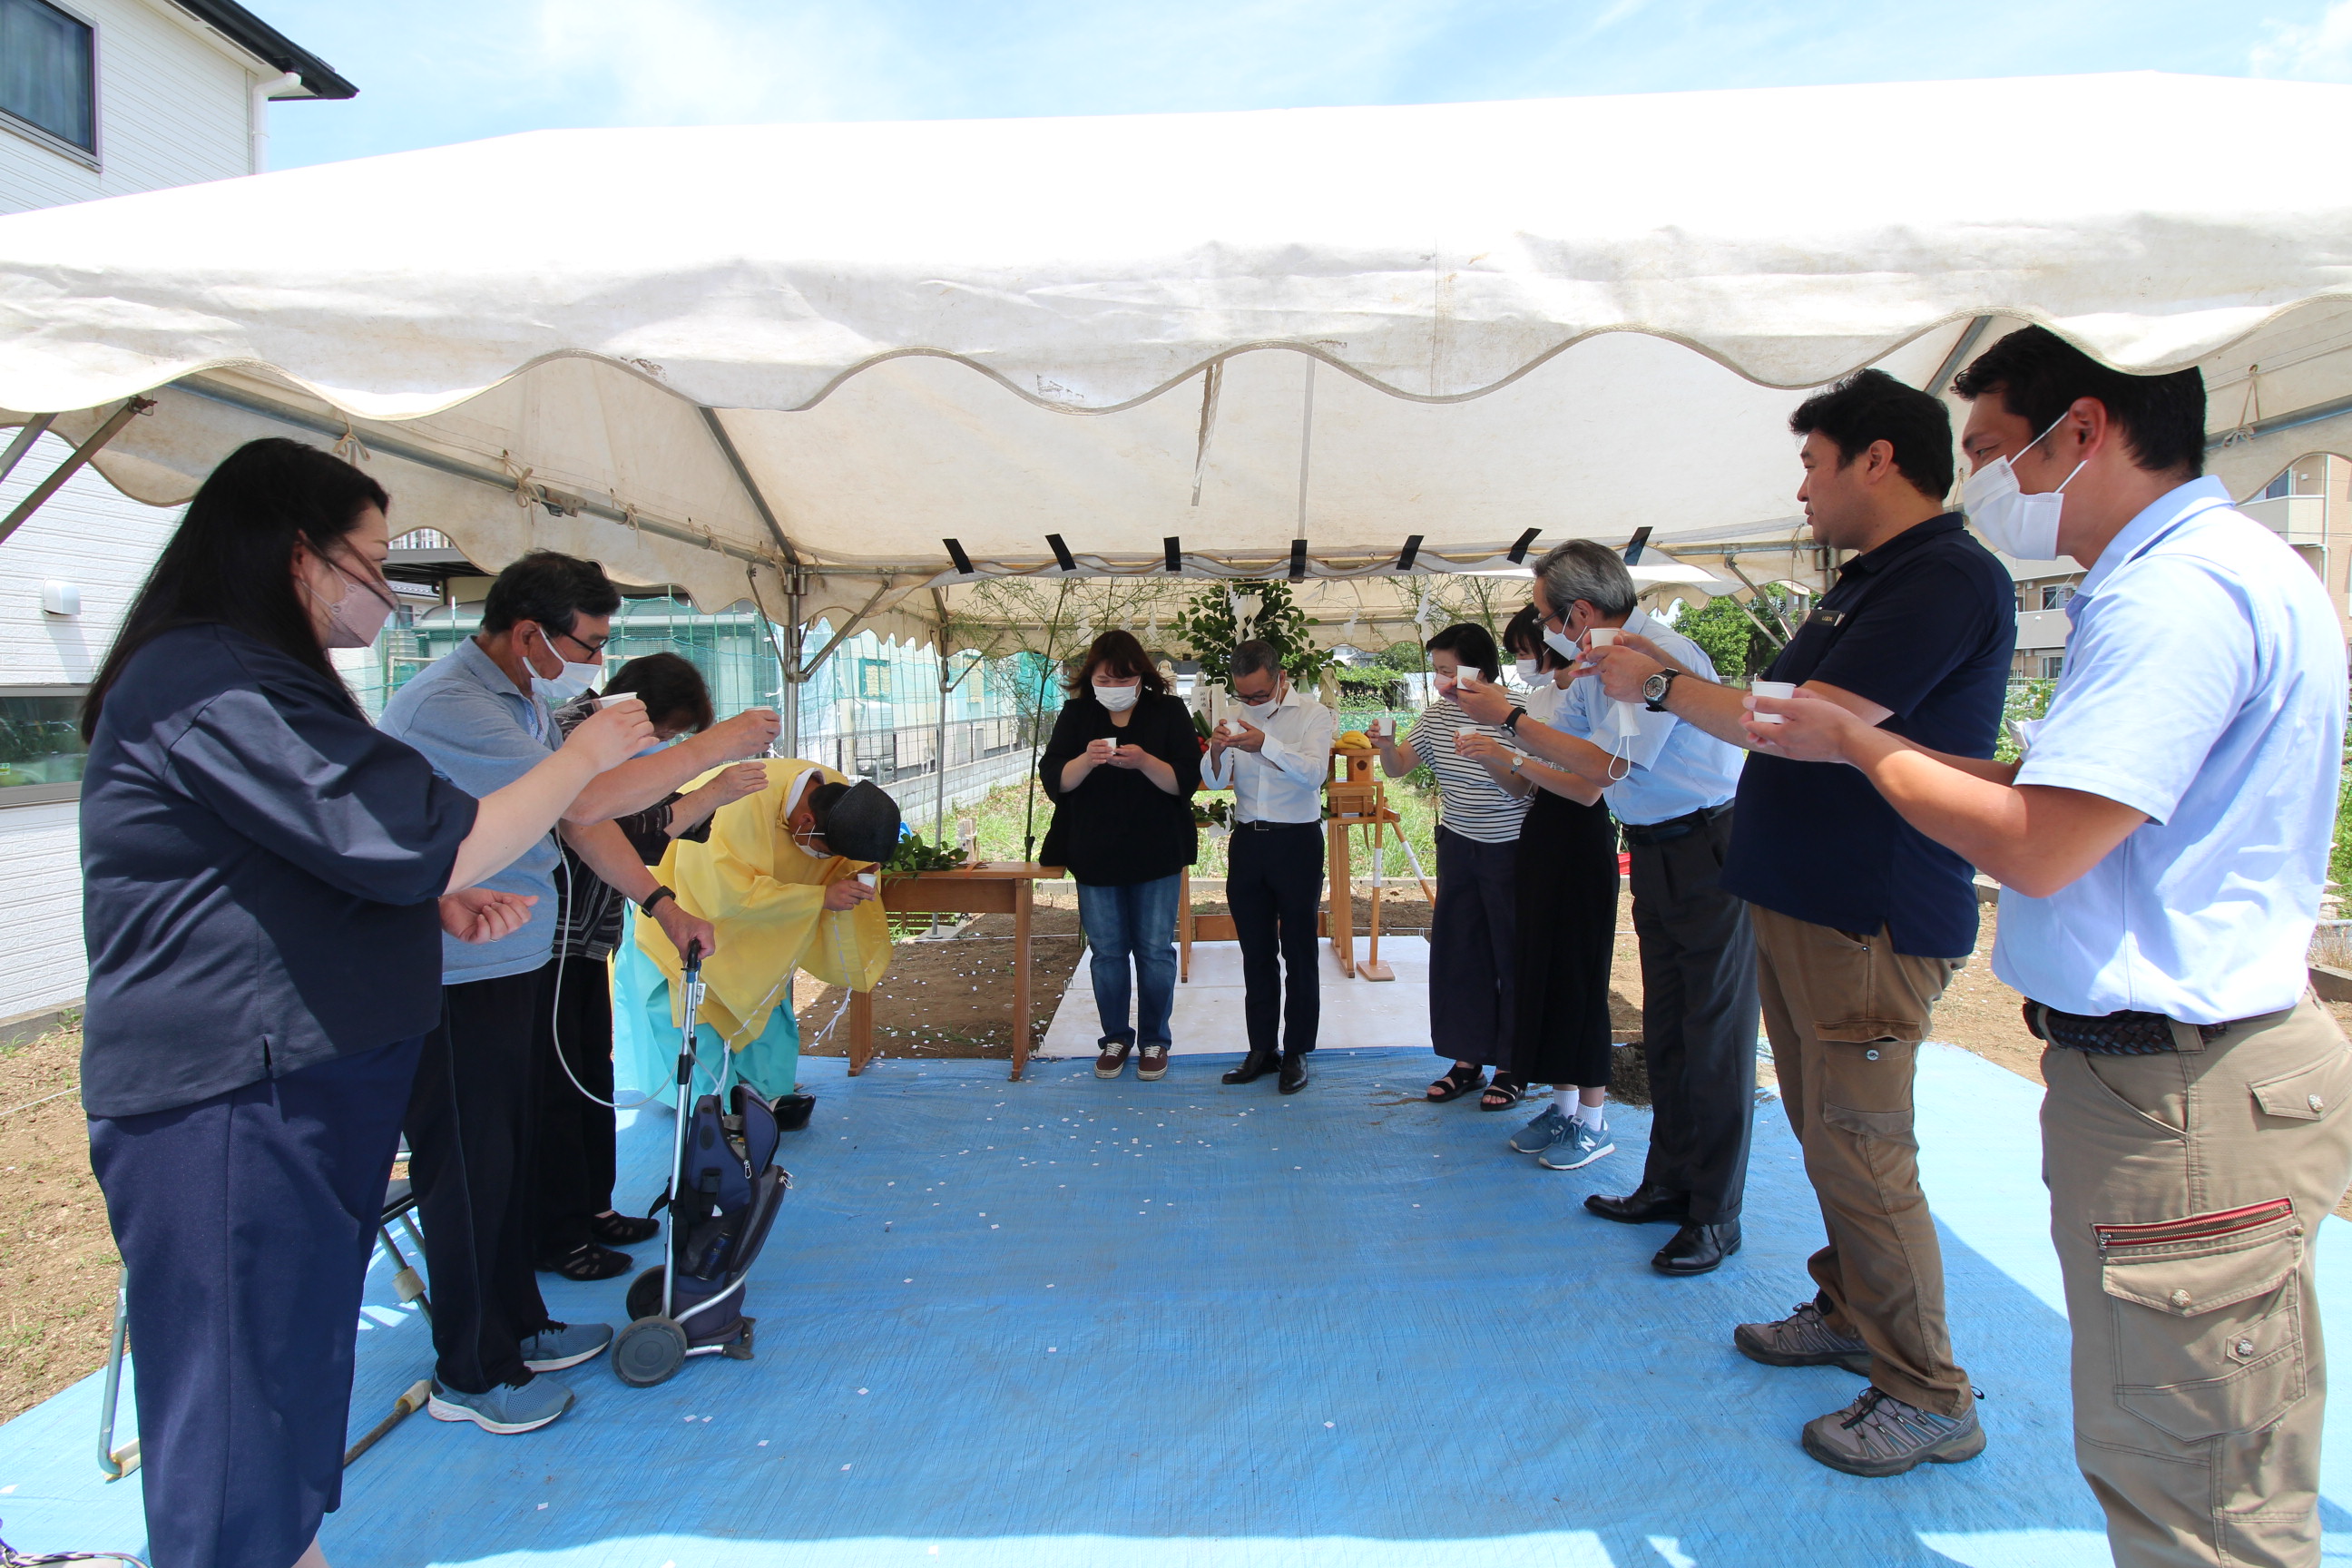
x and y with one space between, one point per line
989 888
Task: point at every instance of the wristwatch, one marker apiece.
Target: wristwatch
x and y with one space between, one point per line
645 905
1654 690
1510 724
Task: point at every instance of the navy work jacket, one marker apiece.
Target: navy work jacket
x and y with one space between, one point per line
260 871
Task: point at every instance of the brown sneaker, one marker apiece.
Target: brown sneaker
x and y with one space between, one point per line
1151 1062
1801 1339
1878 1435
1113 1058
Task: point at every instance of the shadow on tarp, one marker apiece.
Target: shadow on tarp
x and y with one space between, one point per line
1068 1321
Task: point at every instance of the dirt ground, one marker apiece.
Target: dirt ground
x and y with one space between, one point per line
948 998
57 1257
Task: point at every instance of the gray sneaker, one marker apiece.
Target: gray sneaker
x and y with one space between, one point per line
1801 1339
560 1345
510 1407
1878 1435
1580 1145
1541 1133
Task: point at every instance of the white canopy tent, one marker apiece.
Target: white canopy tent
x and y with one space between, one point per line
829 367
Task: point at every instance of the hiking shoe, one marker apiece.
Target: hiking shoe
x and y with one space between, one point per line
1878 1435
560 1345
1801 1339
508 1408
1541 1133
1579 1147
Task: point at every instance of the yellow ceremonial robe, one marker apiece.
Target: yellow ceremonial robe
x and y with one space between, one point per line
764 896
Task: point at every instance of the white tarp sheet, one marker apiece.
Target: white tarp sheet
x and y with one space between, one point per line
1354 326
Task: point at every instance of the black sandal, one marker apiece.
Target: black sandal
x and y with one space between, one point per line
590 1263
1503 1093
1458 1081
622 1230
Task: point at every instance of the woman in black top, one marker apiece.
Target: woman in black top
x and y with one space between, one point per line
1120 770
266 880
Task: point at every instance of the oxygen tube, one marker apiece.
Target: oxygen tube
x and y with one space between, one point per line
555 1011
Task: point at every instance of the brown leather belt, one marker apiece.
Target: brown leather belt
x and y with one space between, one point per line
2115 1034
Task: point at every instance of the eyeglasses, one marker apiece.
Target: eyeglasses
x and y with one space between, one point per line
596 651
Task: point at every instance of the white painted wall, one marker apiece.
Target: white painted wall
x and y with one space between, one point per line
173 110
102 542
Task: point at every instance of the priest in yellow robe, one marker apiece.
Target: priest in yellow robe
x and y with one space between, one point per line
779 881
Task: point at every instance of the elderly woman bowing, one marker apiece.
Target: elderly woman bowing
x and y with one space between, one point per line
778 880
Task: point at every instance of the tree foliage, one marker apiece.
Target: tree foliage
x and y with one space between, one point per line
1220 616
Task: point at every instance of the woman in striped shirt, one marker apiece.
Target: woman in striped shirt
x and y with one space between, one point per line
1473 953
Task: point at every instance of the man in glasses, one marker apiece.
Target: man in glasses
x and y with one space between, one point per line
482 715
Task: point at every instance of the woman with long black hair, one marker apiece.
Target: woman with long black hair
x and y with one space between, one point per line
266 881
1120 770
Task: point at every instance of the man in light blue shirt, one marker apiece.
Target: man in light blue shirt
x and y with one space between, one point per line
2160 847
480 715
1671 785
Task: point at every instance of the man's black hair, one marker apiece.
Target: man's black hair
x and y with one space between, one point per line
1871 405
1471 643
2038 375
672 689
552 589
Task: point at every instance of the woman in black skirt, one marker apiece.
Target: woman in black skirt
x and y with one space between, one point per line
1566 903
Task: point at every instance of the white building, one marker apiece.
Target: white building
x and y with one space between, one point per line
98 98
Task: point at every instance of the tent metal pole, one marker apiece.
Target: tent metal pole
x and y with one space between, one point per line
752 492
34 429
73 465
1952 362
939 747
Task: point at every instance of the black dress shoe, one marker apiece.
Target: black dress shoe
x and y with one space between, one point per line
1643 1205
1294 1072
1254 1066
1697 1248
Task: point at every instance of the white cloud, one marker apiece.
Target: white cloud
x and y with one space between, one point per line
2315 51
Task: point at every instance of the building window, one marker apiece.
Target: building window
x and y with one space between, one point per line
41 751
2055 597
2053 665
48 72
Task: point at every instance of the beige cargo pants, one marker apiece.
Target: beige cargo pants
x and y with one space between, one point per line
1845 1014
2186 1192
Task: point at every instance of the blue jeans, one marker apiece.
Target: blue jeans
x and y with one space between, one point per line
1136 921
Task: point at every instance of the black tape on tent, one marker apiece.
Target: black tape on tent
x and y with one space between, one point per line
1412 548
1175 553
956 554
1298 559
1520 550
1061 552
1633 546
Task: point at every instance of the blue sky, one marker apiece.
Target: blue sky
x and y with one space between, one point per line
436 71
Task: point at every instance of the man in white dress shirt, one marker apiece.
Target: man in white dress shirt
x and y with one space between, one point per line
1275 761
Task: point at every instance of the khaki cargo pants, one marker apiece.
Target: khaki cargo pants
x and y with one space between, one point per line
1845 1014
2198 1376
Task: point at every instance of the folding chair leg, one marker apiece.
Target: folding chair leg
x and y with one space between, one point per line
116 1462
405 1278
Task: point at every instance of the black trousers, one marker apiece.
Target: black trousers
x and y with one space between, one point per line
1699 1019
574 1164
1474 950
1274 886
470 1124
245 1223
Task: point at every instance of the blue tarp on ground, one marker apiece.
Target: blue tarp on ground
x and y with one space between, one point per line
1073 1322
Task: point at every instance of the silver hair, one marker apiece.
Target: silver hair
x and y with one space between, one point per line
1585 569
1250 657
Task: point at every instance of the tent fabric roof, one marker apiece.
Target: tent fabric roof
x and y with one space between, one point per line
703 353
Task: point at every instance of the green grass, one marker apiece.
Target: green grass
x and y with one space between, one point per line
2339 858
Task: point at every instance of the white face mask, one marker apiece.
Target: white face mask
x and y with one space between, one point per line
1117 698
2016 524
1528 669
801 845
1561 643
574 679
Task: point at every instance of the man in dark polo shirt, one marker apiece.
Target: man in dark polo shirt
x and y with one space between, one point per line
1860 919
